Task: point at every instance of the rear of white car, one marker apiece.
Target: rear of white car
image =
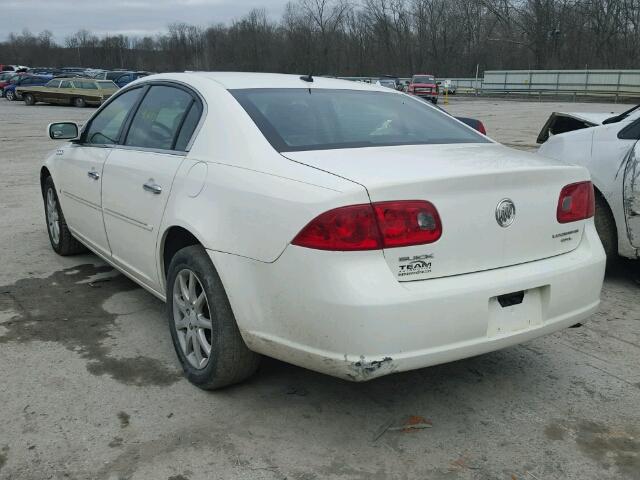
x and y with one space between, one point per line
345 228
462 247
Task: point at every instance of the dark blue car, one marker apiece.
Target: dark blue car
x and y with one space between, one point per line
9 92
122 77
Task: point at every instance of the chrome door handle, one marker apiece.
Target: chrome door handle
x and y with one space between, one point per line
152 187
93 175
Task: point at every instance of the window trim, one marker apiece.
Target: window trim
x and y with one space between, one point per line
124 130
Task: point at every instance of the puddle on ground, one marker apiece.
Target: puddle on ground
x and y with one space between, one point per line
608 446
67 308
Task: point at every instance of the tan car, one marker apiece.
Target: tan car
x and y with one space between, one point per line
78 92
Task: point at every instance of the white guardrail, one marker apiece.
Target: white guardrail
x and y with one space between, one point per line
610 83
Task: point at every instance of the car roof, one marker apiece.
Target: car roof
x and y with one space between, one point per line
244 80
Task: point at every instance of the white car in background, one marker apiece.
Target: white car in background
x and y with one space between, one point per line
608 146
343 227
447 86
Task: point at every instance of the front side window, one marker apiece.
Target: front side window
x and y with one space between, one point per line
53 84
159 118
105 127
66 84
321 119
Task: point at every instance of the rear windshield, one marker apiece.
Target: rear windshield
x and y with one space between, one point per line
323 119
424 79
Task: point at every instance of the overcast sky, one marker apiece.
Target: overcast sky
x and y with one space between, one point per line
133 17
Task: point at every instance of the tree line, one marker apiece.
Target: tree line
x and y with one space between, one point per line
367 37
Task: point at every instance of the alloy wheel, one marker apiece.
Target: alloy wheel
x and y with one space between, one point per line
192 318
53 221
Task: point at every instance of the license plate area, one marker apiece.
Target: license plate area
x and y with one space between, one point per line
515 311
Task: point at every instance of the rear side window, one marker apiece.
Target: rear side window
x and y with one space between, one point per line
107 84
66 84
630 132
106 125
53 84
87 85
322 119
188 126
159 118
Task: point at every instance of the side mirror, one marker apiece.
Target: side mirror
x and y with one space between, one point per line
63 131
438 83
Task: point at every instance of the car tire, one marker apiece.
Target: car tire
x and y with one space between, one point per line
197 323
435 101
606 228
62 241
10 95
79 102
29 99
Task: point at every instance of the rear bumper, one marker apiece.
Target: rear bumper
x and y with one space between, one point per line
344 314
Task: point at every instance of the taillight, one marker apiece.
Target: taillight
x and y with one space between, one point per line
407 222
372 227
576 202
345 228
481 128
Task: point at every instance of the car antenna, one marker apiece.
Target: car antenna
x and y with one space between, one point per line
307 78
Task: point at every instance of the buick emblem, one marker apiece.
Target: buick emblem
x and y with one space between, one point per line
505 213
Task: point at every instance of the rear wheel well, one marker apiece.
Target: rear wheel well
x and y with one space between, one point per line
176 239
602 197
606 226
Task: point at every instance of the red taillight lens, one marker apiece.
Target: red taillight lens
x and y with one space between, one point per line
576 202
372 227
345 228
481 128
407 222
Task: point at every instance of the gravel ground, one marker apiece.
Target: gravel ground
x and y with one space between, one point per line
91 388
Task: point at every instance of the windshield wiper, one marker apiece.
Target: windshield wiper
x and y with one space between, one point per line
622 116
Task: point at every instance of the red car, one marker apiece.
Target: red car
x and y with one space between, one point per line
5 78
425 86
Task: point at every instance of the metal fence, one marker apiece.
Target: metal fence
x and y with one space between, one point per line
577 83
623 83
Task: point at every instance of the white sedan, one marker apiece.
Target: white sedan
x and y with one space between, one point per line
343 227
608 146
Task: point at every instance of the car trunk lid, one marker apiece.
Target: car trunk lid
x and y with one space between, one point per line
466 183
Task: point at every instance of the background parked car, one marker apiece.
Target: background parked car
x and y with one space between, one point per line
6 78
447 86
424 85
13 68
386 82
78 92
609 146
122 78
9 91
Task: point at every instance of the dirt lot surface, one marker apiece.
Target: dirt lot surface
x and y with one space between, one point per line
91 388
